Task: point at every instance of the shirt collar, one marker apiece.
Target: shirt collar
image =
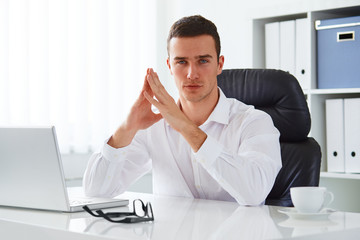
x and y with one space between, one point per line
220 114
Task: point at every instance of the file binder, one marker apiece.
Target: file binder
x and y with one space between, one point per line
287 46
272 45
338 52
352 135
302 52
335 135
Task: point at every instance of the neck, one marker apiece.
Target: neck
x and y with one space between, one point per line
199 112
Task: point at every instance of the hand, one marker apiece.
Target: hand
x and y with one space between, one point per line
172 113
164 102
140 117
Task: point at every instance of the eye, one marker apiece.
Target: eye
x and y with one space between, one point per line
181 62
204 61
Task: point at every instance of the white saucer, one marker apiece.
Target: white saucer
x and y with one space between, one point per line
293 213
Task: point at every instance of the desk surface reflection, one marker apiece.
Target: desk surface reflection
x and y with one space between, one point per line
178 218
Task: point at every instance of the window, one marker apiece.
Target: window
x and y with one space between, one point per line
75 64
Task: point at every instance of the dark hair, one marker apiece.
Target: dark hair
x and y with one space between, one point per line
193 26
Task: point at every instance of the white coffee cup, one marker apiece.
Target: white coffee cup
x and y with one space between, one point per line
310 199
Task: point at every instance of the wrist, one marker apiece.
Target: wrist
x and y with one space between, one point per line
194 136
122 137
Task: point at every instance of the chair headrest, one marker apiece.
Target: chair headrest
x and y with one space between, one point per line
274 91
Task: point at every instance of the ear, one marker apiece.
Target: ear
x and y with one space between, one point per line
168 64
220 64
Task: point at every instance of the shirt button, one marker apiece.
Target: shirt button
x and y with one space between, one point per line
115 155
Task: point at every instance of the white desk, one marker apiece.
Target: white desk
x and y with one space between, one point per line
178 218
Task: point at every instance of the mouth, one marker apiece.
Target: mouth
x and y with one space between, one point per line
192 86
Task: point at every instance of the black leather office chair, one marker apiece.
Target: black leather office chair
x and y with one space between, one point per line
279 94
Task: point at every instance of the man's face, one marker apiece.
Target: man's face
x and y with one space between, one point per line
193 63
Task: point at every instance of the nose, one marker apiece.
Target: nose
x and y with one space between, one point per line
193 72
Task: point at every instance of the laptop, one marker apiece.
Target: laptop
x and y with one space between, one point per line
32 176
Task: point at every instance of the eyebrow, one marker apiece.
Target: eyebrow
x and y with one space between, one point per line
197 57
205 56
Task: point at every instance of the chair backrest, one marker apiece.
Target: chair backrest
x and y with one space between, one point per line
279 94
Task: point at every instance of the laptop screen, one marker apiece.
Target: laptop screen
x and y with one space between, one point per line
31 173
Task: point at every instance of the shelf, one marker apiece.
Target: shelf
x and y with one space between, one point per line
353 176
334 91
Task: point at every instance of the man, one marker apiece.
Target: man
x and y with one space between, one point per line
203 146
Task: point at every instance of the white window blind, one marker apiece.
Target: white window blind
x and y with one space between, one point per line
75 64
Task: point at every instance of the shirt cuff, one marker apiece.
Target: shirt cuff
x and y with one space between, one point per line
209 151
113 154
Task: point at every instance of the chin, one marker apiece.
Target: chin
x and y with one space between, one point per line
192 98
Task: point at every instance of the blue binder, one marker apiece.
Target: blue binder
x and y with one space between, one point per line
338 52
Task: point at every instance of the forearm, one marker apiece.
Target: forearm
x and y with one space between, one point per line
249 182
247 174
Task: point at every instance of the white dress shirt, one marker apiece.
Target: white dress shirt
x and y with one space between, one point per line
238 161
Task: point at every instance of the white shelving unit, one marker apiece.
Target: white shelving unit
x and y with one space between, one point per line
346 187
315 97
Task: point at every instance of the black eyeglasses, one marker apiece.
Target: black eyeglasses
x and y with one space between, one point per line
141 213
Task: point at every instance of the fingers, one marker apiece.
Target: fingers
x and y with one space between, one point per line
153 78
158 96
158 116
146 86
157 88
151 99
